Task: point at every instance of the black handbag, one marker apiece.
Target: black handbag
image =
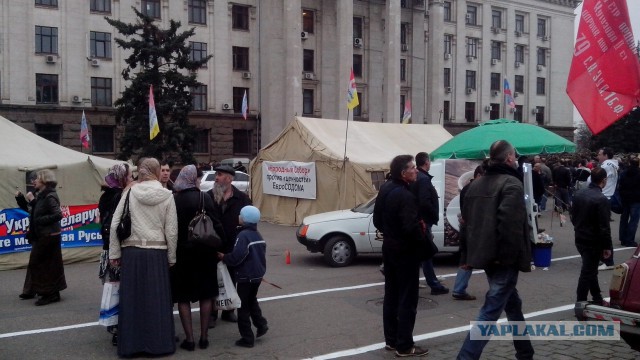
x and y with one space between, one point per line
201 231
124 227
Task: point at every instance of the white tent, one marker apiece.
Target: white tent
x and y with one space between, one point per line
79 178
340 184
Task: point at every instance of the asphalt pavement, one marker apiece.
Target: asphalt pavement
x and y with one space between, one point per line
320 312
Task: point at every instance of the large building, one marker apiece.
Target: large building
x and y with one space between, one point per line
449 59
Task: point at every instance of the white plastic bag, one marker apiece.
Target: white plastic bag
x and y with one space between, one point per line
109 306
228 298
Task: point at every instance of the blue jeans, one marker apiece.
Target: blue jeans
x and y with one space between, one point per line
629 223
430 275
462 281
502 295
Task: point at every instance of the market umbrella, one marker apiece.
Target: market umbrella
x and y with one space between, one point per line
526 138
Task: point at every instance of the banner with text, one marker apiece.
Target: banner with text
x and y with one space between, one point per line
79 228
289 178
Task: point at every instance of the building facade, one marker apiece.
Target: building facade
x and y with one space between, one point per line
448 58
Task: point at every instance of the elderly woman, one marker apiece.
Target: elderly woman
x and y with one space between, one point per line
45 272
145 321
194 278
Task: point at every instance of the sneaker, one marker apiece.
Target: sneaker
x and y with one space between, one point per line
439 291
48 299
605 267
415 351
422 286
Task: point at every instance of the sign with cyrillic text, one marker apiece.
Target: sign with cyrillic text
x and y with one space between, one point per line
289 178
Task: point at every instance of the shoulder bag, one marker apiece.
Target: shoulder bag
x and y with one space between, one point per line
201 231
124 227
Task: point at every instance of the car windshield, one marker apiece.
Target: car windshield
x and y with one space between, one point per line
367 207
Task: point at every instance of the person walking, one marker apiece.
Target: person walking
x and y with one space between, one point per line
497 236
630 195
611 166
395 213
145 321
590 217
45 270
194 277
561 185
249 262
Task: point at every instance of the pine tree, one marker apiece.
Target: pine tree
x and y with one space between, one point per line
157 57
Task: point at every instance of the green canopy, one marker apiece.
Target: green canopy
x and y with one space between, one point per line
526 138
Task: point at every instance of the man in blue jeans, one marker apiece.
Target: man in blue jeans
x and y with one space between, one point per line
498 242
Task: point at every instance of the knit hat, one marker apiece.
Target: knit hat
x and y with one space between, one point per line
250 214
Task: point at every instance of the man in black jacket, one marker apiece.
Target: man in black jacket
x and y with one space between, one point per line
629 188
590 217
396 215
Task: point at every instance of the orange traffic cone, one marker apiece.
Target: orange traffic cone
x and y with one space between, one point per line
287 257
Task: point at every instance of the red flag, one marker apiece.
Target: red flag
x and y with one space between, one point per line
604 80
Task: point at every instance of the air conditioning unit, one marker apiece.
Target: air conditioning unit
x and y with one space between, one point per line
487 108
226 106
469 90
447 89
404 47
76 99
95 62
515 94
357 42
469 58
534 111
447 56
540 67
518 33
545 38
308 76
495 92
50 59
246 75
304 35
518 64
494 61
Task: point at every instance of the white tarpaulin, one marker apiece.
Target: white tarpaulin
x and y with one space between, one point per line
289 178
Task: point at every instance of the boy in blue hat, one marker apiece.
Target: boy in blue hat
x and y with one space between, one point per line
248 261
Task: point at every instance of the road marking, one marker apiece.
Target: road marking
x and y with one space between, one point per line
272 298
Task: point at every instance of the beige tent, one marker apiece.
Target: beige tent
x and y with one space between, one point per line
79 177
340 184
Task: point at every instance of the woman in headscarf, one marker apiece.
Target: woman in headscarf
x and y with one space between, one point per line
117 179
194 278
45 271
145 321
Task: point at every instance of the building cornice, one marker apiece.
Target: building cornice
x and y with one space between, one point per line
568 3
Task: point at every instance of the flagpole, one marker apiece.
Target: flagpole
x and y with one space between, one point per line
346 137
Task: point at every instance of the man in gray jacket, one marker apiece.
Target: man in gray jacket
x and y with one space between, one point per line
498 242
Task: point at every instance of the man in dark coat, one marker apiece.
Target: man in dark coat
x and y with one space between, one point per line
396 215
498 241
561 184
629 188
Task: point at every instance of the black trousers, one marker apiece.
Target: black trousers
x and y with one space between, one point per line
249 310
588 281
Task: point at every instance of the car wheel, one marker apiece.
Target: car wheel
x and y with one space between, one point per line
339 251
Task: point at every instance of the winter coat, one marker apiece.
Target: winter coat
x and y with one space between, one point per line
44 213
427 197
629 186
228 214
154 222
187 205
248 258
590 216
395 213
106 206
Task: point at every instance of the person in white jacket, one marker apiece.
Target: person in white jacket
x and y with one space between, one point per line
145 321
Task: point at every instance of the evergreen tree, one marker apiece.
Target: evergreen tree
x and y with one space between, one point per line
621 136
156 57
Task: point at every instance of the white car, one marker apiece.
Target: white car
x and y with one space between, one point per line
240 180
341 235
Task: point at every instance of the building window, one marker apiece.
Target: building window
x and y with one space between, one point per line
46 40
470 80
307 60
448 39
472 47
377 179
242 141
403 33
357 27
199 98
201 143
102 6
470 111
520 54
517 116
519 84
357 65
403 4
240 58
52 3
198 12
542 27
151 8
102 139
496 19
520 23
240 17
495 111
50 132
472 15
357 111
447 77
101 91
100 44
46 89
446 110
447 10
496 50
495 81
238 95
307 101
403 100
199 52
540 86
403 69
542 56
540 115
307 21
